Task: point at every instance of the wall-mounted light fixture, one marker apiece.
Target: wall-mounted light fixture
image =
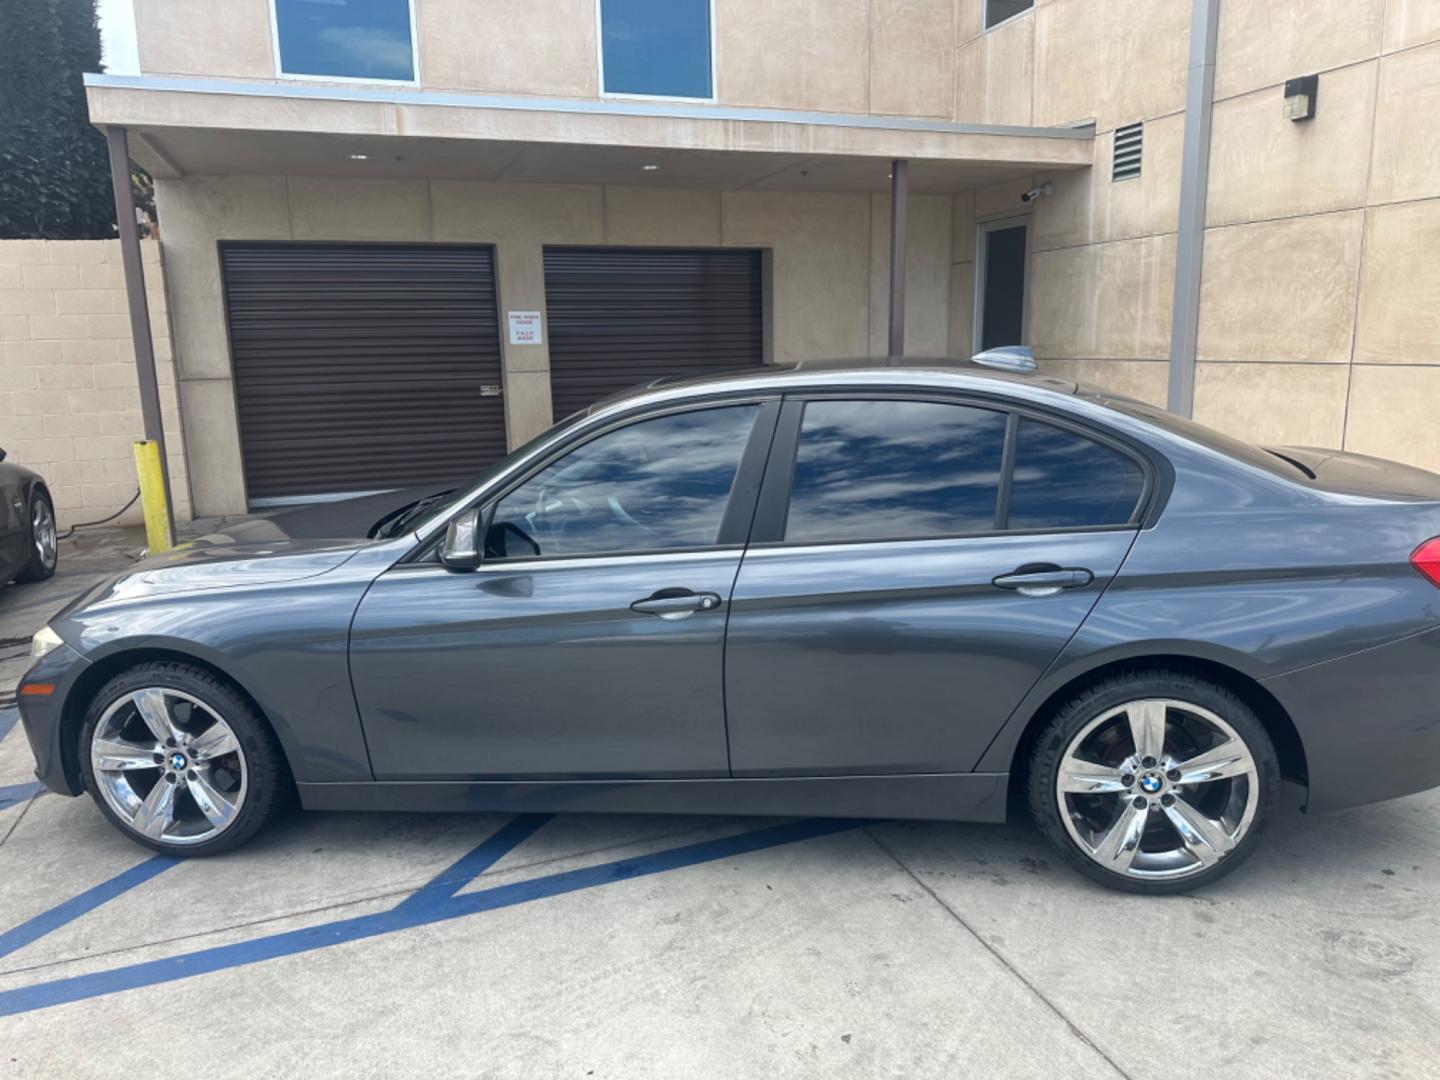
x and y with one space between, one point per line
1300 97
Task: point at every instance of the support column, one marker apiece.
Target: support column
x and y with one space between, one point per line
139 306
1194 187
899 216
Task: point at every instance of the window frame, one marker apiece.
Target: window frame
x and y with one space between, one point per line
986 26
281 73
772 509
619 95
735 521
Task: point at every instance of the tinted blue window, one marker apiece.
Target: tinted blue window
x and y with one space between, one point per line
353 39
877 470
1066 481
659 47
658 484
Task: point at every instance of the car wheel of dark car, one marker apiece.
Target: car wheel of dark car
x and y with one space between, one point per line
1154 782
44 544
180 761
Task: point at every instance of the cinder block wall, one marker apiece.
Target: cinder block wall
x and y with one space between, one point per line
69 397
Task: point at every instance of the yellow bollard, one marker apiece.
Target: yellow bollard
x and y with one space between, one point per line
152 496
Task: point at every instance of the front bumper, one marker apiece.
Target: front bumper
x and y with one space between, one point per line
42 715
1369 722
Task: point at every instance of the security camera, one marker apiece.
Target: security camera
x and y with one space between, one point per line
1034 193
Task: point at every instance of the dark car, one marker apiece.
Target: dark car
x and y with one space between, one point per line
28 546
918 590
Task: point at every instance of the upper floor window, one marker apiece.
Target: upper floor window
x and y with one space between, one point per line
346 39
997 11
656 48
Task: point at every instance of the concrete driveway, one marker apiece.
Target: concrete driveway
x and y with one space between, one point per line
385 945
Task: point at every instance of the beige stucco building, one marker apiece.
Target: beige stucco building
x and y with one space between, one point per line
531 133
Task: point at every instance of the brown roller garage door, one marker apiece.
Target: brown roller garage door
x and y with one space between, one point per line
622 316
363 366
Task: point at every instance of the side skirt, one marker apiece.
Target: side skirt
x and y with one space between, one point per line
938 797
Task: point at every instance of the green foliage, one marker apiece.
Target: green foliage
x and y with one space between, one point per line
54 169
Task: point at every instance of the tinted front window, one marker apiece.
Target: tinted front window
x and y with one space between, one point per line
1066 481
872 470
353 39
654 485
656 47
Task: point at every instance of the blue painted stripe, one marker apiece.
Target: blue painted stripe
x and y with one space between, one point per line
474 863
15 794
8 719
289 943
49 921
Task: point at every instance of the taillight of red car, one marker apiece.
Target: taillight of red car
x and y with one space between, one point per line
1426 559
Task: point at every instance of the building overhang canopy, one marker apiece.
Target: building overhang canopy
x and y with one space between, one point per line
182 126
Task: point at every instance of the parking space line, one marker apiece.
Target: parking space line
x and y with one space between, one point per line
49 921
8 719
438 908
474 863
15 794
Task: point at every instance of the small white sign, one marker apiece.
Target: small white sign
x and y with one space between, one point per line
525 328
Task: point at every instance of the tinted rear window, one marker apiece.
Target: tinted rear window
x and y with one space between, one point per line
1065 481
876 470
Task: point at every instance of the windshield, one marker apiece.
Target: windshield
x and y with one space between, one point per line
1269 460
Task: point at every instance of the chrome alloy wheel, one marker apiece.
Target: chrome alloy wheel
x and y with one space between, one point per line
42 533
168 765
1157 789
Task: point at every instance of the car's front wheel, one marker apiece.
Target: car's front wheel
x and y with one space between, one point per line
1154 782
44 541
180 761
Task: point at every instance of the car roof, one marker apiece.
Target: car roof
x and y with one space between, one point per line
836 371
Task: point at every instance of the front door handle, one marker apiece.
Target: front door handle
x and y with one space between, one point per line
1044 580
676 603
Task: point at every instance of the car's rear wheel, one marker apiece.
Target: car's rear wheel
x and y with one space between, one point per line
1154 782
44 541
180 761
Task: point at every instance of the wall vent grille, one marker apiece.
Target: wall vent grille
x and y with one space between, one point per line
1128 142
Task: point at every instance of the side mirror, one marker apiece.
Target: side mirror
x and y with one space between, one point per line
461 549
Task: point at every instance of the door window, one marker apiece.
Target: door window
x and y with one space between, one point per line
874 470
1065 481
655 485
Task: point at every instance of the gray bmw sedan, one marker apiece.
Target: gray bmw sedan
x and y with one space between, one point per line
921 589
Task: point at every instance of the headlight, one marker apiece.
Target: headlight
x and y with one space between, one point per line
45 641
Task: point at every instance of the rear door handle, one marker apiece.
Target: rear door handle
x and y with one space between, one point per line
1044 580
676 603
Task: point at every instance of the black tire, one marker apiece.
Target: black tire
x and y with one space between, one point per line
1075 714
268 789
37 569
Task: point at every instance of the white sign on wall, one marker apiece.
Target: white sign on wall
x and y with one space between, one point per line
525 328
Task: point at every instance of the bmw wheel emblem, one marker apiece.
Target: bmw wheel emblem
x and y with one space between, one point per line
1150 784
177 761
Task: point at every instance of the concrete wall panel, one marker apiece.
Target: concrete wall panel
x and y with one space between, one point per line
912 57
662 216
802 54
1399 313
821 267
509 46
1146 380
927 276
994 75
1406 162
1280 290
1273 404
1263 42
202 37
1265 166
333 208
1392 414
1103 300
1410 22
